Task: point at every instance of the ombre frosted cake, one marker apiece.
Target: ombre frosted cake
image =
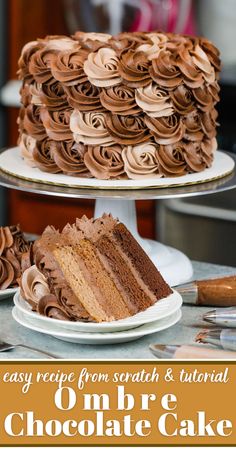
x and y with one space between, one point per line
133 106
93 270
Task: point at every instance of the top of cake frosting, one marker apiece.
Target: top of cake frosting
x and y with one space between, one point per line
132 105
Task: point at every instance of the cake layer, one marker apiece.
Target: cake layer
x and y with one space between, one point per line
134 105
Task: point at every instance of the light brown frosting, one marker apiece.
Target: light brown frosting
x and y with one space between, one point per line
90 128
141 161
35 94
154 101
101 67
104 162
158 41
60 43
27 144
201 60
34 285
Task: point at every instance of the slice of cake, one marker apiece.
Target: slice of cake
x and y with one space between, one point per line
94 270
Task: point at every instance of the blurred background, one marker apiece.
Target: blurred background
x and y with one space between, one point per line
203 227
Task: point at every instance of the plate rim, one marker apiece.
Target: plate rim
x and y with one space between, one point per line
115 336
117 325
93 183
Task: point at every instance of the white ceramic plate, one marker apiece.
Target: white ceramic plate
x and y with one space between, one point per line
11 162
97 338
161 309
7 292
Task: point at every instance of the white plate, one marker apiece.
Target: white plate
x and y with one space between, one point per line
161 309
98 338
11 162
7 292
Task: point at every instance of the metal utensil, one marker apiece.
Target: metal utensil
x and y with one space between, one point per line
4 346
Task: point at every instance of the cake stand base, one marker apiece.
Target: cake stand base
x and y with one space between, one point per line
174 266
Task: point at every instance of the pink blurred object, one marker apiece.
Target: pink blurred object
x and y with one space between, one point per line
175 16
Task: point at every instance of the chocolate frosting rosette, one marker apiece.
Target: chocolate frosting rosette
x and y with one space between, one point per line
90 128
101 68
69 157
68 66
57 123
33 124
127 130
84 97
104 162
12 247
43 156
120 100
87 98
34 286
141 161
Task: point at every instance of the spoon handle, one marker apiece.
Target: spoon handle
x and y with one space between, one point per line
39 351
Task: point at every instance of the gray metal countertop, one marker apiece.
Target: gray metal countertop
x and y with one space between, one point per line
183 332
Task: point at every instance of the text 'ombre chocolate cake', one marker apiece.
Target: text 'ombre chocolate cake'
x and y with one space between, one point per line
94 270
135 105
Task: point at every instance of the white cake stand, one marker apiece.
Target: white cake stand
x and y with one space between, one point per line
119 200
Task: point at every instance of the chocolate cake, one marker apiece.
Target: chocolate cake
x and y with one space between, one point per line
134 106
94 270
12 247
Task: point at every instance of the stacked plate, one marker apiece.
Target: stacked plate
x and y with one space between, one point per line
7 293
165 313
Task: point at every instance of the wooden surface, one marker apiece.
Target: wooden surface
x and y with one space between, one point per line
28 20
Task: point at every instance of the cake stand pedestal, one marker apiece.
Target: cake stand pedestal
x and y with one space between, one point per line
175 266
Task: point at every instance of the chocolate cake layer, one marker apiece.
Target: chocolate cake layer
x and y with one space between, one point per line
141 262
122 275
